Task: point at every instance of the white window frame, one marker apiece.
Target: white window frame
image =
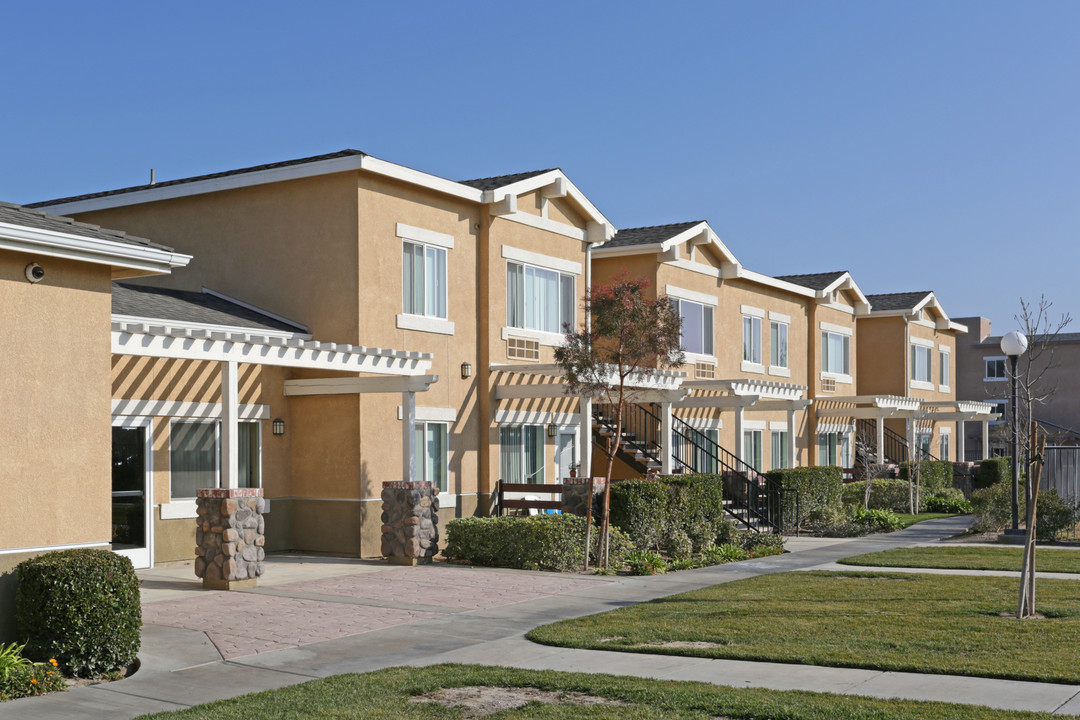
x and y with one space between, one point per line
421 457
838 443
752 321
546 337
944 368
920 365
754 456
542 473
1004 403
183 501
945 444
829 330
782 324
439 243
779 462
706 301
1004 368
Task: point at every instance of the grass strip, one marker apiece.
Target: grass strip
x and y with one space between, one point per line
908 519
948 624
970 558
384 695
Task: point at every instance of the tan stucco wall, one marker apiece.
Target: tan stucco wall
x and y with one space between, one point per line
882 366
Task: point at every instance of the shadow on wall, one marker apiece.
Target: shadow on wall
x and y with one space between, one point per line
7 605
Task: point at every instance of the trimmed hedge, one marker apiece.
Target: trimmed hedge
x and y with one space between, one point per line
885 494
80 607
657 514
934 475
640 509
820 490
994 470
537 542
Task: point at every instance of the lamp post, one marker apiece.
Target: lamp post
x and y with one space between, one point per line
1013 345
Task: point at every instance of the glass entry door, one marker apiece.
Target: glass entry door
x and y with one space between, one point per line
130 491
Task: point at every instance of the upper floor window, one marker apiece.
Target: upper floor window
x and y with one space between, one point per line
835 353
697 326
995 369
539 299
946 368
921 363
424 279
751 339
778 332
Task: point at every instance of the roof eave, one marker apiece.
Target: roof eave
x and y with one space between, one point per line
122 257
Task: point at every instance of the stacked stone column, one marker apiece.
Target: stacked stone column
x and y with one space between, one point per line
410 522
575 495
229 538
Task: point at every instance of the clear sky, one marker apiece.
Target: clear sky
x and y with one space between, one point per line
929 145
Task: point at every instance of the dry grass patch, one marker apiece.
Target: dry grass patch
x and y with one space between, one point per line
482 700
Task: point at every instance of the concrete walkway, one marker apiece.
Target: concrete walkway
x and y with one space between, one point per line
315 617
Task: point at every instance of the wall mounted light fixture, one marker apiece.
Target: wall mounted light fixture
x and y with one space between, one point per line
466 370
278 426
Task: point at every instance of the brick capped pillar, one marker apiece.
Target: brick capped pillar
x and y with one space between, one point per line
229 538
575 495
410 517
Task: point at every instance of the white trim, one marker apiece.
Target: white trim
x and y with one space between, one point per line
944 388
143 557
754 425
692 266
839 307
752 367
415 177
544 338
924 323
547 262
779 426
825 428
180 509
779 317
779 371
255 308
699 358
50 243
132 407
210 328
945 349
427 237
922 342
692 295
703 423
772 282
839 329
946 431
542 223
432 414
920 385
838 377
599 225
48 548
424 323
752 311
533 417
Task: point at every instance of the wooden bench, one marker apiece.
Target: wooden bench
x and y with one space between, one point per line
522 504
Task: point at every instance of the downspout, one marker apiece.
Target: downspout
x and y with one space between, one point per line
483 355
813 337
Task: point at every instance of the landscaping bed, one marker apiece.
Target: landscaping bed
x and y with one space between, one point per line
949 624
473 691
970 558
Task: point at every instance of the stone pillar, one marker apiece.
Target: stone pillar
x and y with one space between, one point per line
575 495
229 538
410 517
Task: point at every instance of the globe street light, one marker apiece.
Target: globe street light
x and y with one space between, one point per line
1013 345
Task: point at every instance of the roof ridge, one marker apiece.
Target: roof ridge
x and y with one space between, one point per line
903 292
665 225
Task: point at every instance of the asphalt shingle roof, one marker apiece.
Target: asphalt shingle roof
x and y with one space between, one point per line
187 306
896 301
814 281
651 235
197 178
498 181
33 218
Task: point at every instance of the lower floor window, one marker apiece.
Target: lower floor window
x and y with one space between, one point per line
697 449
431 458
945 439
752 448
834 448
780 440
195 456
521 454
922 444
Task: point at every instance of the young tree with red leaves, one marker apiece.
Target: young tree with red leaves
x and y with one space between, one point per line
628 334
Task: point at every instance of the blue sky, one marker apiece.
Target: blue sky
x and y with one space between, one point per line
919 145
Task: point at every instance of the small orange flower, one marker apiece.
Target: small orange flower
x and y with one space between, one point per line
53 661
33 681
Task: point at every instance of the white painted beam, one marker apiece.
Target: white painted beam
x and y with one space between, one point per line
230 427
359 386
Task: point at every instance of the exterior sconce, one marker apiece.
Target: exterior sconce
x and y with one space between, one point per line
466 370
553 430
278 426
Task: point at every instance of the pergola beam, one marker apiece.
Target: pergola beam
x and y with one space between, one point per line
720 402
360 385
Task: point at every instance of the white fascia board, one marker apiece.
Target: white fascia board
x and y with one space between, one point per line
757 277
571 190
708 237
621 250
177 324
957 327
416 177
359 385
542 223
100 252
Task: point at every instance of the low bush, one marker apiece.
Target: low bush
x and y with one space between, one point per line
538 542
993 471
728 552
991 507
646 562
820 489
947 501
1055 515
877 520
640 509
885 494
651 512
853 521
21 677
80 607
934 475
760 544
678 546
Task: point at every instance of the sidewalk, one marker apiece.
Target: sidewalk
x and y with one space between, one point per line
323 616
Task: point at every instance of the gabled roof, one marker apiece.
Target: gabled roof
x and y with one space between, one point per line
814 281
498 181
26 216
898 301
652 235
185 306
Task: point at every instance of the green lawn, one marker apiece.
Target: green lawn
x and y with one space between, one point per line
384 695
891 621
908 519
970 558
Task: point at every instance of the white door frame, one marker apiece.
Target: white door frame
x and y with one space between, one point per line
572 435
142 557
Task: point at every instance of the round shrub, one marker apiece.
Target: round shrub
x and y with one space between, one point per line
991 507
885 494
678 545
640 508
646 562
1054 515
949 500
80 607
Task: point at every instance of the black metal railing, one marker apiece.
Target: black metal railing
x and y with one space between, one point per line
640 432
896 448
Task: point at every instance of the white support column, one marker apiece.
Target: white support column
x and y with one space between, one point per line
739 434
961 454
665 438
909 436
585 438
230 428
985 439
881 439
408 436
791 438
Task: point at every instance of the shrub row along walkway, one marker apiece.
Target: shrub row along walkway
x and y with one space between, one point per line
315 617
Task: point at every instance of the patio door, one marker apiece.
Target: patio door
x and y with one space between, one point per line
131 501
564 454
